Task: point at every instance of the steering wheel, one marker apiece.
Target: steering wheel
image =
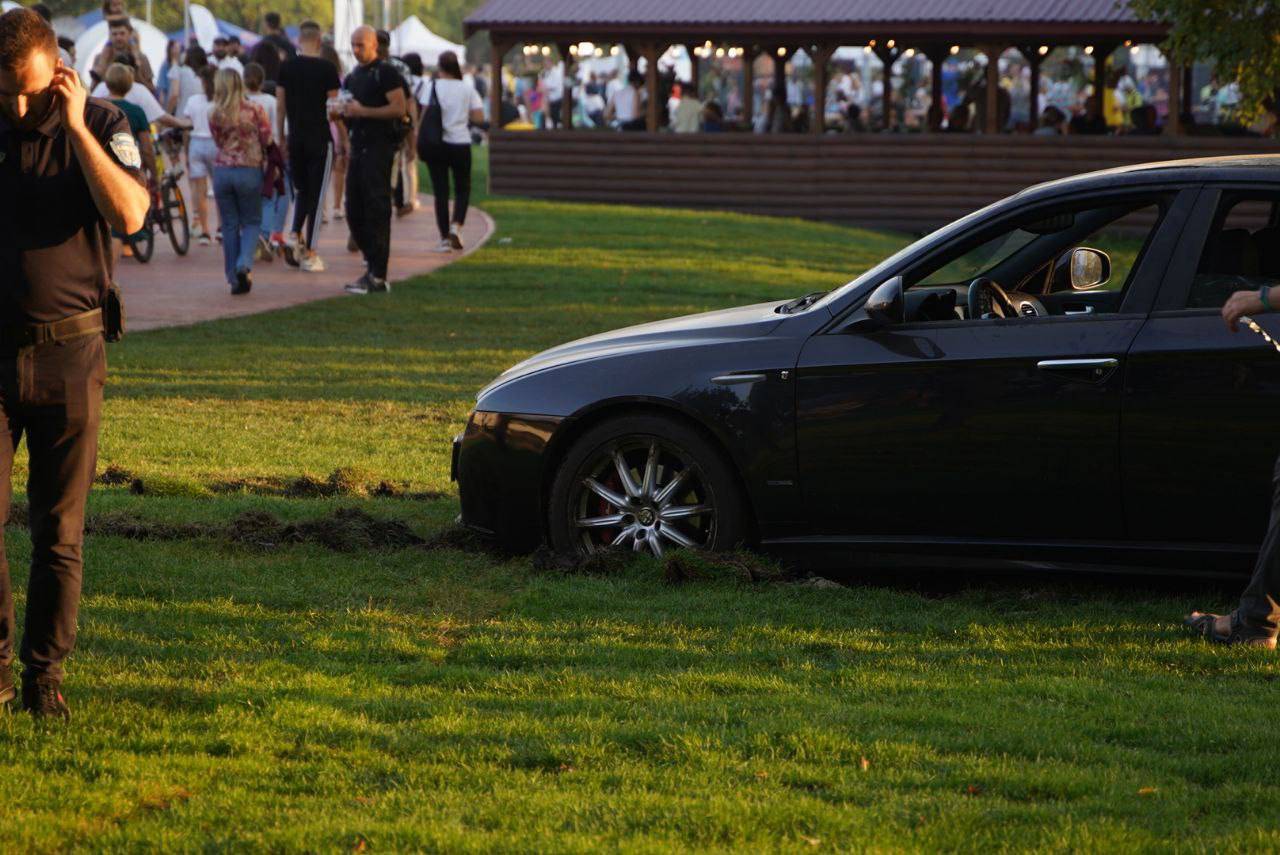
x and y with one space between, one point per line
986 297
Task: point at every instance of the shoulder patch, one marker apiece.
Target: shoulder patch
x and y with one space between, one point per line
125 148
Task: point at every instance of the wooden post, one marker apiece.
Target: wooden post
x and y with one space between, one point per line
498 50
1187 93
993 53
779 84
1100 55
936 55
1031 54
749 86
1173 121
693 66
651 87
566 97
887 56
821 57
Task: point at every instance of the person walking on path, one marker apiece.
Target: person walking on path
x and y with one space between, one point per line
307 83
241 132
201 151
1255 622
275 206
449 105
373 112
80 177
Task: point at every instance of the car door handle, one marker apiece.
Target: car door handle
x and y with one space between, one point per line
1095 370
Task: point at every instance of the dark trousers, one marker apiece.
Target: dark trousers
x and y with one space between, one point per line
369 203
308 157
442 160
1260 603
52 393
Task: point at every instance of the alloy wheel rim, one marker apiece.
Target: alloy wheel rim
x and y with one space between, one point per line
644 494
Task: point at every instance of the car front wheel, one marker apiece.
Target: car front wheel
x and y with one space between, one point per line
645 483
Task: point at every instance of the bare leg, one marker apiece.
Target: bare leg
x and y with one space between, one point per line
200 189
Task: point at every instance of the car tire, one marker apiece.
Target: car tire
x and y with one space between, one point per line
704 508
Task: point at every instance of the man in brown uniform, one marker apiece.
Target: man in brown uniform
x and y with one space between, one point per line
70 172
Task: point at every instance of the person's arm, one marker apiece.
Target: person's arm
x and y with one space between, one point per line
475 112
1243 303
394 108
280 102
118 196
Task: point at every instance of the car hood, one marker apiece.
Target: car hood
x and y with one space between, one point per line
740 322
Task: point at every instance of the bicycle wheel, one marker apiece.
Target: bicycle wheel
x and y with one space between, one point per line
143 243
175 214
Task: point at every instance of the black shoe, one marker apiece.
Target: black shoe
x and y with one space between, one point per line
361 286
7 691
43 699
352 246
290 252
379 286
243 282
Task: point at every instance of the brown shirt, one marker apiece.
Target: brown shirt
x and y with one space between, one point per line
55 251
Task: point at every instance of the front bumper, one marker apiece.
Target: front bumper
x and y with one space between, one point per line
500 463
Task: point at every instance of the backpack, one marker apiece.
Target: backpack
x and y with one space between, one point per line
431 132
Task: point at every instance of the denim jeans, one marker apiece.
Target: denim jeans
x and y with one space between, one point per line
238 192
275 209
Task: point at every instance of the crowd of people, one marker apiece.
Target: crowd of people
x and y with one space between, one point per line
282 137
613 95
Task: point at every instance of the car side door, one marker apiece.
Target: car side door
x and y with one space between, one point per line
974 429
1201 413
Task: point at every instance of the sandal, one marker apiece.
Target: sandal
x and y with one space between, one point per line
1203 624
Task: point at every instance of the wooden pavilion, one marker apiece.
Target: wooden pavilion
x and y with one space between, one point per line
911 181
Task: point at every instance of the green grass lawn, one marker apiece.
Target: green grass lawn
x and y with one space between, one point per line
241 687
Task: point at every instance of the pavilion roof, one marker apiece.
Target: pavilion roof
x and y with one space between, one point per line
1038 20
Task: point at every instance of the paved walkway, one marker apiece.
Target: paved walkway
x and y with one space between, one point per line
174 291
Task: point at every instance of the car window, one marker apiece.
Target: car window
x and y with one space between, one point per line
1033 258
1242 251
976 262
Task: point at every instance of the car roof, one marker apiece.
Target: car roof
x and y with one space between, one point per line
1237 167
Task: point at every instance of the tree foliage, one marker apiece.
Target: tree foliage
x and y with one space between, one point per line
1241 38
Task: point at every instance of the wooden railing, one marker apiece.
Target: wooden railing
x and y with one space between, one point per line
907 182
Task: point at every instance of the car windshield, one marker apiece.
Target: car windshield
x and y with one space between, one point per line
877 274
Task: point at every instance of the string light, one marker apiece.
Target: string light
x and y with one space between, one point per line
1044 50
600 52
613 51
955 49
1088 50
867 49
909 52
782 51
573 50
719 53
889 44
546 50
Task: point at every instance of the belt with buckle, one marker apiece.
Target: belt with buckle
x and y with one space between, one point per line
26 335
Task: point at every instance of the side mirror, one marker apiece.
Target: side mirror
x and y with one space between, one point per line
884 308
1089 268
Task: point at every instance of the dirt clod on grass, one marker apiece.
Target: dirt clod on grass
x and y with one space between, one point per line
687 566
115 476
344 530
343 482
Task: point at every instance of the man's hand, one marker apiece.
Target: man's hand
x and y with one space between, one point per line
1241 303
353 109
71 97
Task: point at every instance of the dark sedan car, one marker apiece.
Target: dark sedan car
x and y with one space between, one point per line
1046 382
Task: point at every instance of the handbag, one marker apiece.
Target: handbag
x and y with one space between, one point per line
431 133
272 171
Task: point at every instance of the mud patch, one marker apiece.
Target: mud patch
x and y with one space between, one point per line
115 476
342 482
688 566
465 540
344 530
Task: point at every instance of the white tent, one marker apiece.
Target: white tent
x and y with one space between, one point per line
202 25
94 39
412 36
9 4
347 15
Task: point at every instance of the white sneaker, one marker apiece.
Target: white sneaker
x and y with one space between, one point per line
455 236
443 246
312 263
